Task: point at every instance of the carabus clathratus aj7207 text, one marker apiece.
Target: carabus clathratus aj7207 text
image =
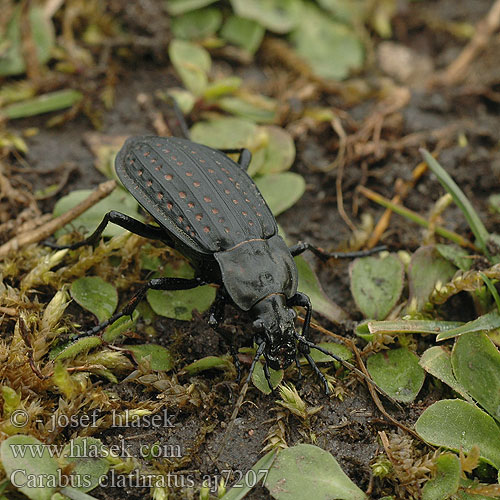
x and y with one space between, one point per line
209 209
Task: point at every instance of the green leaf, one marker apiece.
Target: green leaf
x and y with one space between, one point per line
279 16
330 48
259 109
310 285
241 488
45 103
74 348
376 284
427 268
259 379
475 224
447 478
244 33
121 325
192 62
487 322
161 358
176 7
306 471
208 363
348 11
95 295
281 191
197 24
42 33
494 203
179 304
221 87
367 329
397 372
280 151
225 133
86 455
456 255
437 361
90 219
184 99
36 463
459 425
476 364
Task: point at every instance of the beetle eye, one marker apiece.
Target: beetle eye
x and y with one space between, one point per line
258 324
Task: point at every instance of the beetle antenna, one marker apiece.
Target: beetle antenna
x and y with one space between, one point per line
243 392
348 365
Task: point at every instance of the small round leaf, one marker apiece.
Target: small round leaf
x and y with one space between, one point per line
95 295
281 191
306 471
397 372
161 358
376 284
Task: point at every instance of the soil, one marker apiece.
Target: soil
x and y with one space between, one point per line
348 427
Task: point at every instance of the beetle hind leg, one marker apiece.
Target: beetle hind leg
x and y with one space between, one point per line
122 220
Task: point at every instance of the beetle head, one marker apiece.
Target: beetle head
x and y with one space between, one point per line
274 325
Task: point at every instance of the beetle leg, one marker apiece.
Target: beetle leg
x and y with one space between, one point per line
268 377
299 369
154 284
180 128
314 366
302 246
122 220
215 318
302 300
245 156
258 354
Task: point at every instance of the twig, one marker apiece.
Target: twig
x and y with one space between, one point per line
49 228
352 346
232 420
456 71
410 214
383 222
10 311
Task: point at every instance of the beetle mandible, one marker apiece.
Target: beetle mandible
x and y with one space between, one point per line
209 209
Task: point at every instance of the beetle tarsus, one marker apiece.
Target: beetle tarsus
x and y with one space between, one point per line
268 377
299 369
314 366
258 354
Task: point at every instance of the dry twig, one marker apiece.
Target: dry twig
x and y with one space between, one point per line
48 228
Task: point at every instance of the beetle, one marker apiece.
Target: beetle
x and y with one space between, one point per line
209 209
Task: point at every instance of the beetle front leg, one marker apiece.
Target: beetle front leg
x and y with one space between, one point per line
122 220
154 284
302 246
302 300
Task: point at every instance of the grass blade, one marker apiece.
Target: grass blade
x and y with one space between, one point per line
460 199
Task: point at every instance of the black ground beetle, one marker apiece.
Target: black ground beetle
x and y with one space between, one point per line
209 209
